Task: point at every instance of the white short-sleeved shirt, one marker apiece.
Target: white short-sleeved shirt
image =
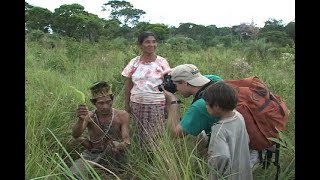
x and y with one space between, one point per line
146 77
228 151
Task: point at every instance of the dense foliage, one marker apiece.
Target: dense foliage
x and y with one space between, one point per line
72 20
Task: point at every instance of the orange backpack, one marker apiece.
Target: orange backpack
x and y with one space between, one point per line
263 111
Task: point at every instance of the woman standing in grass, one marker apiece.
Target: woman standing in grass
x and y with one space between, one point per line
142 98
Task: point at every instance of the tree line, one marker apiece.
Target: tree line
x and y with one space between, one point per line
71 20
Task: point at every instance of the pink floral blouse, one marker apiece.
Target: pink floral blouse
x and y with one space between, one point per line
146 77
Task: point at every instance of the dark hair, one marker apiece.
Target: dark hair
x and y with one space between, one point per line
144 35
221 94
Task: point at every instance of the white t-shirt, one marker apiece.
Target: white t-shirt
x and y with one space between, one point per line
146 77
228 151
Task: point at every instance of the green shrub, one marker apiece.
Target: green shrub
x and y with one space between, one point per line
181 43
35 35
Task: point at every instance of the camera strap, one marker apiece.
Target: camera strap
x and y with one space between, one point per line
201 91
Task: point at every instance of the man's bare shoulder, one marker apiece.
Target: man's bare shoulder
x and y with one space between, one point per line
122 115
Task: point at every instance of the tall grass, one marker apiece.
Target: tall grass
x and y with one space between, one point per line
50 105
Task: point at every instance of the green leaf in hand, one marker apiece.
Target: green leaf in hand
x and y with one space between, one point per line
80 96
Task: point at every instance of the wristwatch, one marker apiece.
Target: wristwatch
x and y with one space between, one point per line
175 102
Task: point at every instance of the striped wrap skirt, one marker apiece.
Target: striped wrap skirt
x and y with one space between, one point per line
150 120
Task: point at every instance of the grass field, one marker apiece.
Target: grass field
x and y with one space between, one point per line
50 107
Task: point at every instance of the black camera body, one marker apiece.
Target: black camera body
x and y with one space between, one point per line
168 84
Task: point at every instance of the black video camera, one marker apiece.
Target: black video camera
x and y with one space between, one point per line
168 84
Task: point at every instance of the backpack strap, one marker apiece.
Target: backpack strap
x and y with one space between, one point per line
280 107
266 103
199 94
276 161
267 160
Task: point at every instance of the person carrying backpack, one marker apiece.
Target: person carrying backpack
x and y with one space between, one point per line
265 114
189 81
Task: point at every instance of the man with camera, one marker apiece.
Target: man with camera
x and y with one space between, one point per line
187 80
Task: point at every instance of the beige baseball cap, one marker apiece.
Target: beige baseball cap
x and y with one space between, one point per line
189 73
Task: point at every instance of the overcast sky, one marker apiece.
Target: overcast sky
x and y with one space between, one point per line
222 13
